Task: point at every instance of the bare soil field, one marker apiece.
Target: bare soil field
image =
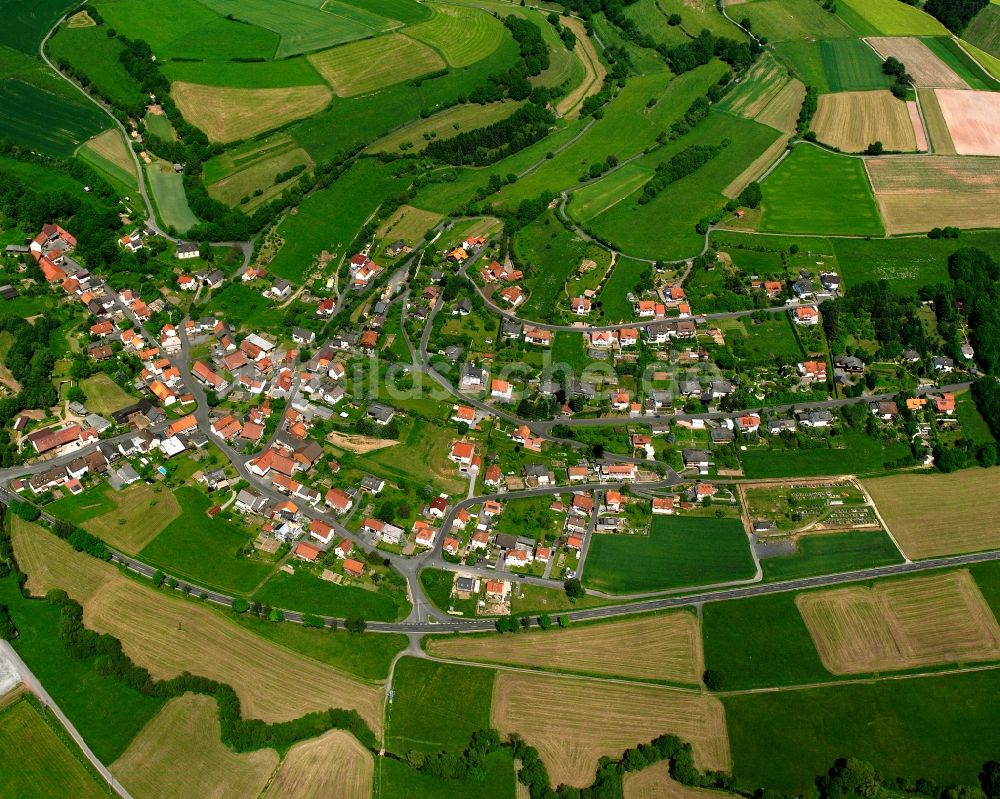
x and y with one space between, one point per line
937 127
359 444
573 722
918 192
179 753
594 71
973 120
918 126
853 120
169 635
664 647
940 514
333 765
654 782
926 68
901 624
227 113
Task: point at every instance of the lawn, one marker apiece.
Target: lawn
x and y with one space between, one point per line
90 51
137 515
625 277
437 705
889 18
987 577
107 713
861 454
851 65
596 198
831 553
330 218
50 123
678 552
974 427
38 759
760 642
941 728
168 196
462 35
780 20
570 349
205 550
305 592
104 395
762 343
87 505
815 191
397 780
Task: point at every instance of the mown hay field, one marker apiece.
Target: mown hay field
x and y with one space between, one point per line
666 647
169 636
655 782
259 174
973 120
916 193
180 753
104 395
362 67
140 513
902 624
940 514
462 35
765 80
36 762
594 71
783 109
409 224
333 765
926 68
227 114
853 120
574 722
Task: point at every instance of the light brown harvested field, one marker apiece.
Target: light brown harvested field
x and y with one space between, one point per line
918 126
940 514
372 64
916 193
973 119
409 224
937 127
594 71
180 753
901 624
654 782
765 80
143 512
110 145
573 722
666 647
359 444
757 167
853 120
926 68
332 766
169 635
227 114
783 110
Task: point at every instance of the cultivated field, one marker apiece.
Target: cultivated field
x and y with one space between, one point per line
170 636
973 119
654 782
940 514
918 126
462 35
853 120
654 647
180 753
36 762
333 765
370 65
47 122
903 624
926 68
574 722
937 126
141 513
916 193
227 114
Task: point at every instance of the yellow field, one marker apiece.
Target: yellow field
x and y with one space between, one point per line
573 722
409 224
333 765
179 753
916 193
654 782
143 512
369 65
169 635
111 146
782 111
445 125
853 120
227 114
664 647
926 68
901 624
940 514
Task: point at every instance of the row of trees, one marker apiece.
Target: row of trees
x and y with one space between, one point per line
482 146
955 14
684 163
